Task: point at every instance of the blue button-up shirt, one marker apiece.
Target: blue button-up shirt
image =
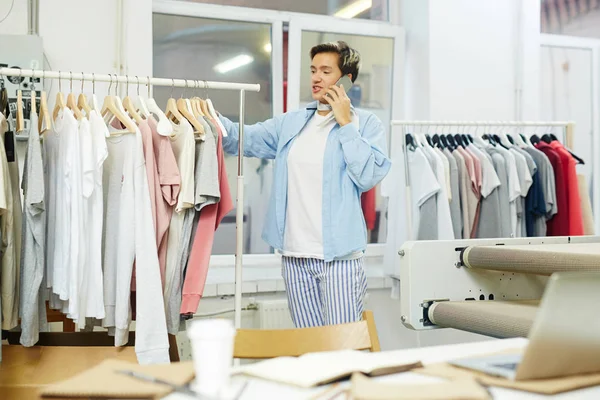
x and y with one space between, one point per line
355 161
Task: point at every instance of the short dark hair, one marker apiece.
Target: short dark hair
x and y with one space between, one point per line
349 58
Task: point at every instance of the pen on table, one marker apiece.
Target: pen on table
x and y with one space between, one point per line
148 378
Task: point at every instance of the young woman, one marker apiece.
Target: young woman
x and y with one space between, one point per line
326 155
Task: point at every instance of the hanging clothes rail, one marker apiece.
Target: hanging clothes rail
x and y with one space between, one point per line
184 83
132 79
405 124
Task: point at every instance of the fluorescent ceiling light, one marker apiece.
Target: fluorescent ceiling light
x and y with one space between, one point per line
234 63
353 9
268 47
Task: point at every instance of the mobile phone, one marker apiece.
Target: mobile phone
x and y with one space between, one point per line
346 81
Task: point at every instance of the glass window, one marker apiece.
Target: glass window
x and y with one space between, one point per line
372 91
571 17
199 48
364 9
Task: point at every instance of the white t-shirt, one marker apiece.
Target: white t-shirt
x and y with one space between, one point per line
184 148
444 218
68 174
97 152
303 236
446 165
304 216
423 185
129 237
525 182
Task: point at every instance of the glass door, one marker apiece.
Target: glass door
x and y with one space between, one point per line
570 70
378 88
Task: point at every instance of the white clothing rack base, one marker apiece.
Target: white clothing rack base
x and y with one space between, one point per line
186 83
405 124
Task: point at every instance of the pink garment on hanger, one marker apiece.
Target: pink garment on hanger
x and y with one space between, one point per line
210 218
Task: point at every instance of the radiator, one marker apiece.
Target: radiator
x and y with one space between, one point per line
273 314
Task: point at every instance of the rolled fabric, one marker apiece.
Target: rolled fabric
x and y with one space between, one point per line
499 319
534 259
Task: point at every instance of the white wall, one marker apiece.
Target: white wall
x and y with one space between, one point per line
461 58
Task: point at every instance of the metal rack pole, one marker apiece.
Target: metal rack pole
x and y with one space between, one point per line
78 76
484 123
239 218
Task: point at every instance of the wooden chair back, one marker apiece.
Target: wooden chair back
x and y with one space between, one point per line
262 343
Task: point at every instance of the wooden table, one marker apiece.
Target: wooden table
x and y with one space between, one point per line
23 371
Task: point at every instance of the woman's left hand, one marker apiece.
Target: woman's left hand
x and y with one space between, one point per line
340 103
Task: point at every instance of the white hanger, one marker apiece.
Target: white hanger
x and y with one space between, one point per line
213 113
141 103
118 98
95 105
163 126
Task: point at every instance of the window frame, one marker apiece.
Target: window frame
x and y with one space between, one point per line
296 22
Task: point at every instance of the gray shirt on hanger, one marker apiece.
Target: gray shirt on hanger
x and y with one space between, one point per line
32 309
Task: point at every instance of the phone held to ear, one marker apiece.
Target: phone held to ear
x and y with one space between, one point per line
346 81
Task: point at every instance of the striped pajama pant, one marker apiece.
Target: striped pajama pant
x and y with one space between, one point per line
324 293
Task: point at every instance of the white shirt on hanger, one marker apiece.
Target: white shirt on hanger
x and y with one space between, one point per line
97 152
444 218
446 165
131 237
423 185
525 182
66 131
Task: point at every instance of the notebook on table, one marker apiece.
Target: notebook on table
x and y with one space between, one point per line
315 369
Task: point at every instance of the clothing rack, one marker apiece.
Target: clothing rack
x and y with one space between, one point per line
185 83
567 127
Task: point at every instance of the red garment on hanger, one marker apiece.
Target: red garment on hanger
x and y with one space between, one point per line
367 202
559 224
572 184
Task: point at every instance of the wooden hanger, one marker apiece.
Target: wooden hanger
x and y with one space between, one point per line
131 109
110 106
172 111
196 104
59 104
72 104
20 122
44 121
182 106
82 102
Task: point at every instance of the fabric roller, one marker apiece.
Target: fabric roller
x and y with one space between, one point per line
534 259
499 319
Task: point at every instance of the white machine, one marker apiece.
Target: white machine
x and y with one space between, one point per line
441 287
